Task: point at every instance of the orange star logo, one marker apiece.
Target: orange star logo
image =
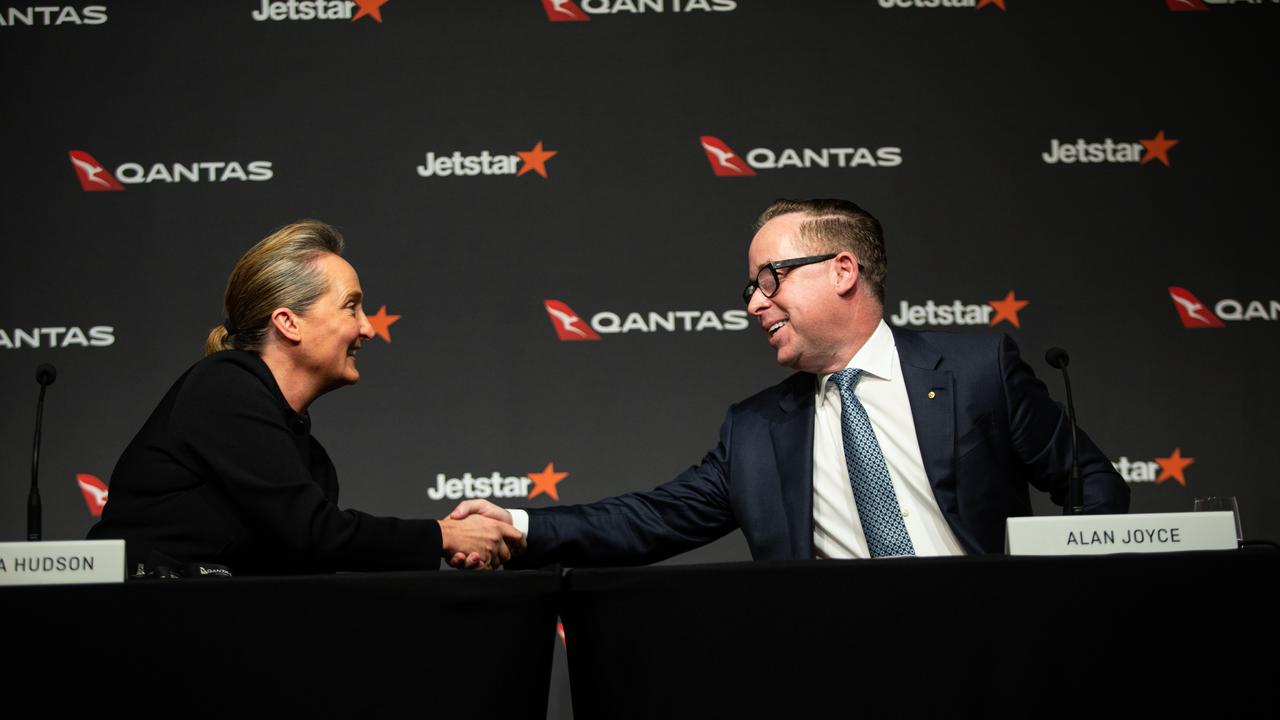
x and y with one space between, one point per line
1172 467
381 321
1157 149
535 160
1007 309
545 482
984 3
371 8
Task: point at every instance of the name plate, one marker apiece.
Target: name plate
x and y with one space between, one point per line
62 562
1107 534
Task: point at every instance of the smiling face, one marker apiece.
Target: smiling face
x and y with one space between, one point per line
802 319
334 327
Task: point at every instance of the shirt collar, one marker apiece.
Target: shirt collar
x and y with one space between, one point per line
875 357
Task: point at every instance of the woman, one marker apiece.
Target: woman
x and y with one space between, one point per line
225 470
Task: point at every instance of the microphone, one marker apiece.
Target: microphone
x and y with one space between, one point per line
45 375
1058 358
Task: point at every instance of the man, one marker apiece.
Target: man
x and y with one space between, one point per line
885 442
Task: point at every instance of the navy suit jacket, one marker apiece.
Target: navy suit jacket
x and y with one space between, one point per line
988 433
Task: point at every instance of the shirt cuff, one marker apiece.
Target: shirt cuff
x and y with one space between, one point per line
520 519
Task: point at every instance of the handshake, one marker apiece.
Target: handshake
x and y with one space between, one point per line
479 535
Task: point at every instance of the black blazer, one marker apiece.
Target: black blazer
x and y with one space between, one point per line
989 432
224 471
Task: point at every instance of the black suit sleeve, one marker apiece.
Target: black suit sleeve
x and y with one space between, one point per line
643 527
1041 435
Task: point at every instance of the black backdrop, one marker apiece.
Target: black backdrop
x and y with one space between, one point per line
630 218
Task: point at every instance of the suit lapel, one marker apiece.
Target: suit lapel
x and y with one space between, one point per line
931 393
792 434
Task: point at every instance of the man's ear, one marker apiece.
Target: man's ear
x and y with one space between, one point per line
846 272
284 323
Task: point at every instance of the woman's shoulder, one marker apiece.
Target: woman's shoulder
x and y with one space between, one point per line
233 375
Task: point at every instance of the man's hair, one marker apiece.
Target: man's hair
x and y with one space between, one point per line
833 225
278 272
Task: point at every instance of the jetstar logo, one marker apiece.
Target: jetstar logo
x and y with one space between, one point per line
1195 314
274 10
488 163
52 15
1158 471
57 337
897 4
1203 5
582 10
94 177
726 163
957 312
382 323
95 492
569 326
497 485
1109 151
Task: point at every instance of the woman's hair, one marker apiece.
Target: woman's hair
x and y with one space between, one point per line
278 272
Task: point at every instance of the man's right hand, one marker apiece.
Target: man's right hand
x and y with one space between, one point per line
474 509
481 541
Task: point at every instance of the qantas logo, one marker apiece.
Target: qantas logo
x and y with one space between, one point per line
497 485
57 337
94 177
991 313
1203 5
726 163
1109 151
1191 311
570 327
95 492
564 11
487 163
1158 471
897 4
1195 314
582 10
274 10
52 15
567 323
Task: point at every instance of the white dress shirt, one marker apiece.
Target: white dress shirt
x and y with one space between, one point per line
837 528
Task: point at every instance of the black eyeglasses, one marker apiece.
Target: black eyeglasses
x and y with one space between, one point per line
767 279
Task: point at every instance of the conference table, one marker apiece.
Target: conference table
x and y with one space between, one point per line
367 644
973 636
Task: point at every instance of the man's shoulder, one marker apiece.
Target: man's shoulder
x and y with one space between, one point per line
785 395
931 347
942 341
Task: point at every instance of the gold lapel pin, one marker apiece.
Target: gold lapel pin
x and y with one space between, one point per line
932 394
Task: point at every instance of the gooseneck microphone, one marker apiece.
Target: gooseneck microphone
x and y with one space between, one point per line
45 375
1057 357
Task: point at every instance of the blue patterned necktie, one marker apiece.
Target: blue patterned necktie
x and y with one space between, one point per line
872 488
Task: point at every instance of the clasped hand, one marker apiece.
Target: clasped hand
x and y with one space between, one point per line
478 535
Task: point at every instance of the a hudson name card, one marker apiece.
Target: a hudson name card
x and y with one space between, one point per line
63 562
